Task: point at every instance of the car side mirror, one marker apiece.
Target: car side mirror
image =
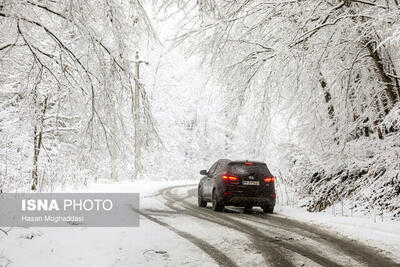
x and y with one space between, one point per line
203 172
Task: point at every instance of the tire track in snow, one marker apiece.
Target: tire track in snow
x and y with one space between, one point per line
213 252
268 251
264 242
361 253
357 251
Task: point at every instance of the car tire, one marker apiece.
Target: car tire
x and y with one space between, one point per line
216 205
268 209
201 202
247 208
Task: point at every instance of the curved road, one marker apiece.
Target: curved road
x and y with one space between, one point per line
256 238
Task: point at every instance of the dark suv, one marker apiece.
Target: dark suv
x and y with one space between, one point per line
237 183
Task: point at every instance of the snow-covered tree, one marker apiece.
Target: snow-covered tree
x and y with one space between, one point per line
66 71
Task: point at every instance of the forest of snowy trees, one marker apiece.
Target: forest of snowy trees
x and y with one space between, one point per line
331 69
310 87
67 86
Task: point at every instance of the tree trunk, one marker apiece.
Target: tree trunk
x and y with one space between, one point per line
37 143
327 95
379 131
389 88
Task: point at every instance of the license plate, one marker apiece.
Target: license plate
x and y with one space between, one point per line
251 183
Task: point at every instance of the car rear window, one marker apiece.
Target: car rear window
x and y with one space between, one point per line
242 169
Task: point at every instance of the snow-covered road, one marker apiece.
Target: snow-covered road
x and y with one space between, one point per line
175 232
234 238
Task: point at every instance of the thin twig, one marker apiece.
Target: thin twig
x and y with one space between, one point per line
5 231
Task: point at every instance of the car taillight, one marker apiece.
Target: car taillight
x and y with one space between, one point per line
229 178
269 179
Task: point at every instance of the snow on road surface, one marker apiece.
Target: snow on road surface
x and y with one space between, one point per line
174 232
383 235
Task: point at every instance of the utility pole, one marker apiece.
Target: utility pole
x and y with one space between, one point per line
137 117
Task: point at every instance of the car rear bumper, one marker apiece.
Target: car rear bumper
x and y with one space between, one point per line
240 200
